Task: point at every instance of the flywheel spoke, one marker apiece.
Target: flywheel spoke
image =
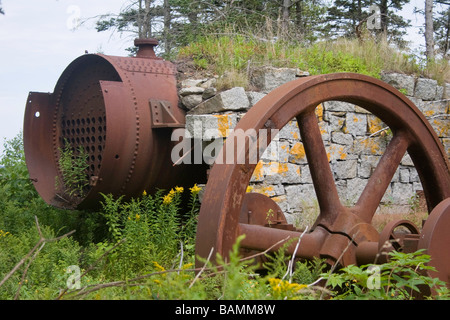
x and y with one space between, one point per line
381 177
321 174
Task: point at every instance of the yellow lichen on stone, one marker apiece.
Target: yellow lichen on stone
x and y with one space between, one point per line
258 173
441 127
264 189
336 152
298 151
223 124
372 145
374 125
319 112
323 127
429 113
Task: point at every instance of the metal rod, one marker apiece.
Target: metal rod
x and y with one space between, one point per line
308 248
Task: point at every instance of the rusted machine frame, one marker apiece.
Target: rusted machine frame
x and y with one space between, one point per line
338 231
122 110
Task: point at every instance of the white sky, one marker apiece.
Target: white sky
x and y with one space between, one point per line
37 44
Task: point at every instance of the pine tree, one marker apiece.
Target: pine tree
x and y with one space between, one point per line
346 17
441 25
429 34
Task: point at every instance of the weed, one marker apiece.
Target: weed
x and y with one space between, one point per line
398 279
73 166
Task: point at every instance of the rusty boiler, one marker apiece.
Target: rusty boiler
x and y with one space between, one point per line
121 110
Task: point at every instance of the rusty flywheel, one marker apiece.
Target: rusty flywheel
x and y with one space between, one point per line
123 110
337 225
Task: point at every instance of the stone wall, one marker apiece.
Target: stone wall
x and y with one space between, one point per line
354 139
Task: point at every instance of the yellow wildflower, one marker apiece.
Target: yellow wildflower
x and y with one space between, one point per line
167 198
158 266
195 189
144 193
187 266
3 233
137 216
284 288
179 189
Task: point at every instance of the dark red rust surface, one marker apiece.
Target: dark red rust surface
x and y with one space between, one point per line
435 239
344 227
258 209
102 103
391 238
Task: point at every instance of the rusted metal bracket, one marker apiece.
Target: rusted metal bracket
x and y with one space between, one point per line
162 116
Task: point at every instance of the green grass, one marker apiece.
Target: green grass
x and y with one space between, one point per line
234 57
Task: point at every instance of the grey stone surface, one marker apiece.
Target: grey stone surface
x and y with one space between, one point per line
191 90
210 126
401 193
300 195
336 120
400 82
209 93
254 97
290 131
425 89
191 82
407 161
345 169
354 189
268 78
367 165
305 174
446 93
338 106
276 151
230 100
404 175
356 124
342 138
439 92
191 101
207 83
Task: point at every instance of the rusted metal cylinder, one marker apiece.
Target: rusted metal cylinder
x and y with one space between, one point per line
121 111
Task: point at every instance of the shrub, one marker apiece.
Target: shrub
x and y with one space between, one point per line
398 279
